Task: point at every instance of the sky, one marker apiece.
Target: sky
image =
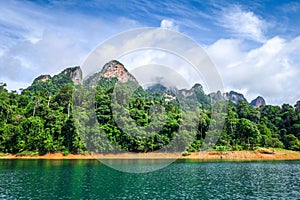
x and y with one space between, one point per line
255 45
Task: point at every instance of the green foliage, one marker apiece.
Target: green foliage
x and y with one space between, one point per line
223 148
291 142
185 153
273 143
28 153
40 120
134 120
66 153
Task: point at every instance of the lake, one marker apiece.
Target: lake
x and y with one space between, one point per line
90 179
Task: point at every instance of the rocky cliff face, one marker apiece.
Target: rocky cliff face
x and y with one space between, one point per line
42 78
112 69
189 92
259 101
217 96
74 73
157 88
232 95
235 96
186 92
115 69
198 87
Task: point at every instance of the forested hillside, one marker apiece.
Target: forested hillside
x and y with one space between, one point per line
40 119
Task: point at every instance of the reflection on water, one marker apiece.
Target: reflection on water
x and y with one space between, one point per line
89 179
137 165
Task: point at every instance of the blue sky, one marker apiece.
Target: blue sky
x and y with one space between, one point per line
255 45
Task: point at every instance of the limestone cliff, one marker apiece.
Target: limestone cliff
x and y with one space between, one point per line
232 95
74 73
42 78
258 102
115 69
112 69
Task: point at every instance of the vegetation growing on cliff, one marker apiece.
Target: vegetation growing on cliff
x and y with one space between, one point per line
40 119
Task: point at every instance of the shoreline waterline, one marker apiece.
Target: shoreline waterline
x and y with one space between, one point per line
256 155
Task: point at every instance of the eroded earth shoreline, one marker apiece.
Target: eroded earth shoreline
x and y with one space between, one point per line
258 155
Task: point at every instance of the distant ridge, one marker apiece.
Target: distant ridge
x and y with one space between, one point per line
115 69
232 96
70 75
74 73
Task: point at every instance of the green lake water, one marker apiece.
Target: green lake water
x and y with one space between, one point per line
89 179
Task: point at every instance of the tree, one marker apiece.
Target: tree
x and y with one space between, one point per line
248 133
273 142
291 142
244 110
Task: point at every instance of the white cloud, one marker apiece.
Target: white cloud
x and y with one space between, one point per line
36 42
271 70
169 24
244 24
291 7
149 65
227 51
26 60
157 47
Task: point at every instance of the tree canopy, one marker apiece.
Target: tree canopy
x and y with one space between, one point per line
40 119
